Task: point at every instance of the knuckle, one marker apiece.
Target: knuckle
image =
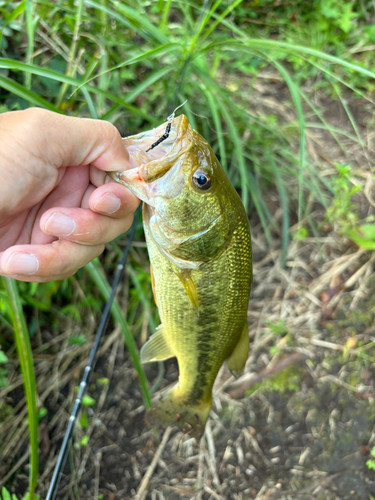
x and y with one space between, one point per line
111 135
31 113
36 117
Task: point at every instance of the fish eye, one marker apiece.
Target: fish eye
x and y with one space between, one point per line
201 180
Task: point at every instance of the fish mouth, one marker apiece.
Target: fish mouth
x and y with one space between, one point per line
154 163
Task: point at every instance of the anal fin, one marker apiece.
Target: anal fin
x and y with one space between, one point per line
156 348
237 360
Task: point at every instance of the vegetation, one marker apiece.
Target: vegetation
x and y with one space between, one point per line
132 63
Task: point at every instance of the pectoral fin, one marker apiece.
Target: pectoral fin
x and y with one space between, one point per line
237 360
153 284
156 348
189 285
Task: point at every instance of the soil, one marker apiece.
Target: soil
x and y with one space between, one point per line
304 432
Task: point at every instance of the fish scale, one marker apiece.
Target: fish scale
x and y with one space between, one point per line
199 245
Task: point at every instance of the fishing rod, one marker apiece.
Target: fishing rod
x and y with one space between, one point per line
60 464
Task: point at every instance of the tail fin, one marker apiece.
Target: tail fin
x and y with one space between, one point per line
171 409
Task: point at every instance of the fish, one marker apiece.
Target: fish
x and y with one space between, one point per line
198 239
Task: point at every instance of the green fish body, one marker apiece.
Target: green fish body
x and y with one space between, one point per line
198 239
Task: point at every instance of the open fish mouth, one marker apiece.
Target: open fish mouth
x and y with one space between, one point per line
154 163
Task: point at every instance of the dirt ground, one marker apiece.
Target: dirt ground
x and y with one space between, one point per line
298 424
304 432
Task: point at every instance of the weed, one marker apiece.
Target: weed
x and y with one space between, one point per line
289 379
278 327
22 340
343 212
371 461
88 400
6 495
3 369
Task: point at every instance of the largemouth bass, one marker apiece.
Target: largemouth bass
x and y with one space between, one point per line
198 239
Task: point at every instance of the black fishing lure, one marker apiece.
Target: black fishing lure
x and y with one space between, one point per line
167 130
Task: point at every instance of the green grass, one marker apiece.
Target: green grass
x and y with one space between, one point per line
22 340
132 62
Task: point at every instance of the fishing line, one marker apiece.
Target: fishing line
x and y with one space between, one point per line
60 464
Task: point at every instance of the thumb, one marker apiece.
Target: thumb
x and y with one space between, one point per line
65 141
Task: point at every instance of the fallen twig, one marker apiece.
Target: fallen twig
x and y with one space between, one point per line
142 490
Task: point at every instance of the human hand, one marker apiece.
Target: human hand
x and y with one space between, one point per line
57 205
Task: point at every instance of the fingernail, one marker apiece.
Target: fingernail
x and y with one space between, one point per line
108 204
60 225
22 263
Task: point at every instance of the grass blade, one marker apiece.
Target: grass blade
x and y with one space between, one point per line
55 75
133 20
30 26
73 50
261 44
164 19
222 16
301 124
154 77
202 22
284 205
150 54
248 184
97 275
141 22
345 83
22 339
19 90
145 301
219 131
349 115
90 103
